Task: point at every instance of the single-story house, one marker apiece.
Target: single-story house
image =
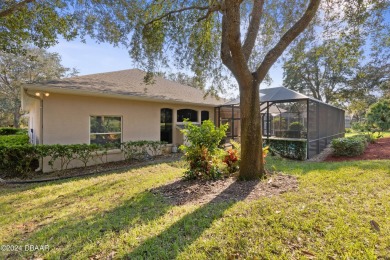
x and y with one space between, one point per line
116 107
113 107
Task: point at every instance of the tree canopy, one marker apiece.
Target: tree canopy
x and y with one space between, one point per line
37 65
37 22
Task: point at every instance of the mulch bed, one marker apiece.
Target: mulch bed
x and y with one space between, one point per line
182 191
375 151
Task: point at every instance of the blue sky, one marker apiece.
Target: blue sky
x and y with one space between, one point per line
90 58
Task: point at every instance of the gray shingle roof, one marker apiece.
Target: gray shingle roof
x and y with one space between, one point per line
275 94
130 83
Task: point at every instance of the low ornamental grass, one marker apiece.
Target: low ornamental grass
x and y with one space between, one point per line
118 215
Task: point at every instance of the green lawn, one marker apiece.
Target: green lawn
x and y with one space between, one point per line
385 134
117 215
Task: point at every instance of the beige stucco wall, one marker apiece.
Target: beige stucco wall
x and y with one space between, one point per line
67 119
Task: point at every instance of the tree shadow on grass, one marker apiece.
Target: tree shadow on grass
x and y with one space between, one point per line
70 236
174 240
9 189
287 165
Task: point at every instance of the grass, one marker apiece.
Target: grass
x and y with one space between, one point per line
116 215
385 134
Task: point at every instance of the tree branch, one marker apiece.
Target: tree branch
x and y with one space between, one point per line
14 8
287 38
233 36
226 57
178 11
253 28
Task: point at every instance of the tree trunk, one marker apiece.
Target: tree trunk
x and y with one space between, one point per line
251 166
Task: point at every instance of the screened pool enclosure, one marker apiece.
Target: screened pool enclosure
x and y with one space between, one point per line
299 125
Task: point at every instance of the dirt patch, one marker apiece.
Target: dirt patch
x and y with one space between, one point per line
376 151
182 191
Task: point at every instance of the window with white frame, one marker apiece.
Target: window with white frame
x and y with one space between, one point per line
106 130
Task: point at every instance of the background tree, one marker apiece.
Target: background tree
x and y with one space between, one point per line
341 59
378 115
322 70
369 83
36 65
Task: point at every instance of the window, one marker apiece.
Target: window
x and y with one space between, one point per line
189 114
204 115
166 125
106 130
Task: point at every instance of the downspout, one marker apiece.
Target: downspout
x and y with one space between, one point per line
41 122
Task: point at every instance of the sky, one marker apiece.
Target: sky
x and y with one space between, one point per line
91 57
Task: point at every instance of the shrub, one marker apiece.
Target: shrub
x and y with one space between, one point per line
155 148
12 131
18 160
232 160
12 140
359 126
202 149
296 126
64 153
134 150
349 146
233 157
368 137
348 130
85 152
8 131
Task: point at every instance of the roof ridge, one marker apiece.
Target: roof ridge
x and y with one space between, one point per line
102 73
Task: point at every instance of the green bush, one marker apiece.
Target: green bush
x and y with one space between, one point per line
349 146
359 126
17 161
140 150
12 131
202 151
12 140
296 126
8 131
288 148
348 130
368 137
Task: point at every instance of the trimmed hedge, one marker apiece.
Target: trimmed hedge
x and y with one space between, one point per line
18 160
349 146
12 131
12 140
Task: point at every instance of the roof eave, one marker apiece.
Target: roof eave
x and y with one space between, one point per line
91 93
